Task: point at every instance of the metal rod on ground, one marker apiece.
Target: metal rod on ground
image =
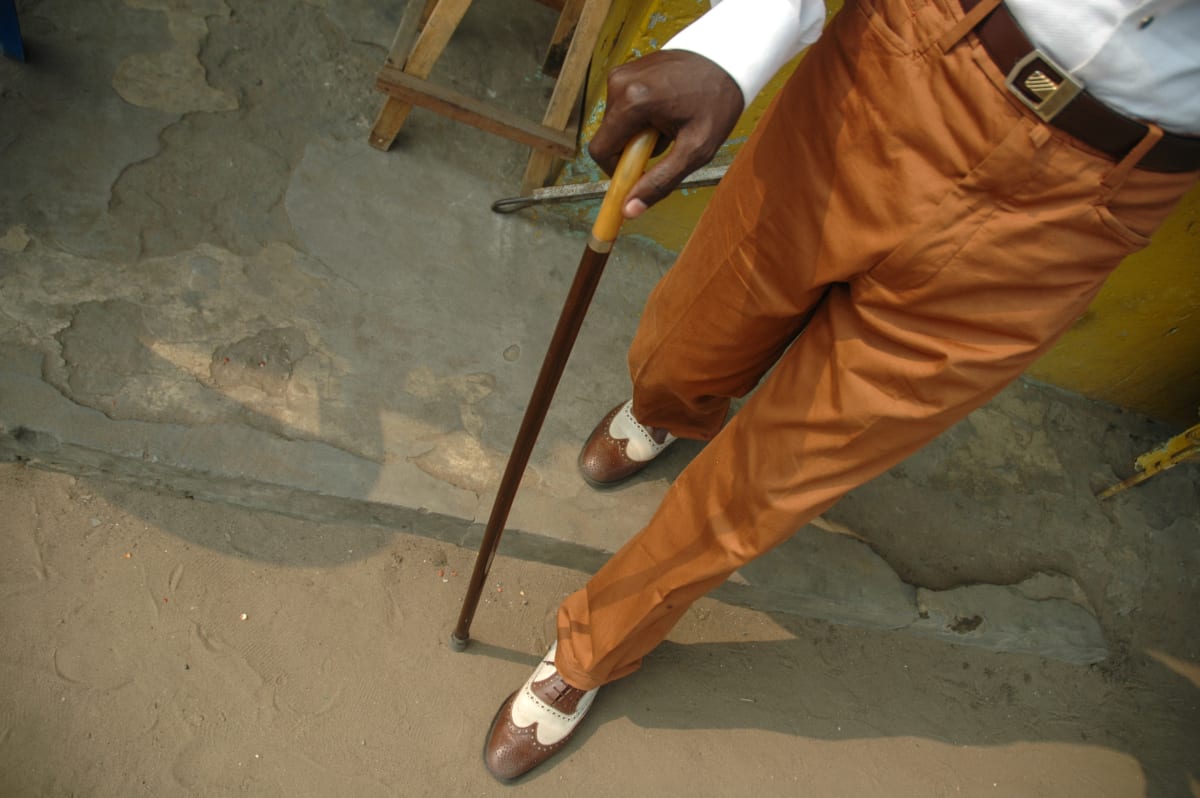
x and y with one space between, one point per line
578 192
587 277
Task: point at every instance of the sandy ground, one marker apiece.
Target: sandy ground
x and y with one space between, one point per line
155 645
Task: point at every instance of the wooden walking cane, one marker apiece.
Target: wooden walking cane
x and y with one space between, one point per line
587 276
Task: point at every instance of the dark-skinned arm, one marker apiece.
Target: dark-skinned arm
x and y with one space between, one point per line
694 89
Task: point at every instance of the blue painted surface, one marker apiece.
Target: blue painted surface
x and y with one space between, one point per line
10 31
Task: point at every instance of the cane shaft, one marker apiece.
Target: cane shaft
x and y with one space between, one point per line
569 322
587 277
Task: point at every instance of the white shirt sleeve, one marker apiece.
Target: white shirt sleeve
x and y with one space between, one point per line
752 39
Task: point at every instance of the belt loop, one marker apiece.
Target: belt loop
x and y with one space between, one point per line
1116 176
967 24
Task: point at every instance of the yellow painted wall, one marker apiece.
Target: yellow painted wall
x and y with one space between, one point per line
1138 346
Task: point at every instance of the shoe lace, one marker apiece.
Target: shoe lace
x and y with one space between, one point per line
559 687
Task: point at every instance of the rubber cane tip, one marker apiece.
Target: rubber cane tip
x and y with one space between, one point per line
457 643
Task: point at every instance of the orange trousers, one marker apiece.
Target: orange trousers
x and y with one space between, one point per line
899 239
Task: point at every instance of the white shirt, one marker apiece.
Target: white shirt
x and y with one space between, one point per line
1141 57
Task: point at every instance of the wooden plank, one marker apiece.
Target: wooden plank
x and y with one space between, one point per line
564 31
500 121
436 21
435 32
435 36
427 11
406 34
575 65
538 172
387 125
543 169
568 87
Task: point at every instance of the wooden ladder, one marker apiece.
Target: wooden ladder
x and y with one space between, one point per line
423 34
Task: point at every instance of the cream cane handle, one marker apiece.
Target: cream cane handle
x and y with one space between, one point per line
629 170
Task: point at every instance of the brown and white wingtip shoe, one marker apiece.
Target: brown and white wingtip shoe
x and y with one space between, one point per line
619 447
535 722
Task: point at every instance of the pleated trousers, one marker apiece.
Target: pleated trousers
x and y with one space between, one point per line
898 240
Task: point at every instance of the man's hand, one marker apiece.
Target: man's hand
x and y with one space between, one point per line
684 96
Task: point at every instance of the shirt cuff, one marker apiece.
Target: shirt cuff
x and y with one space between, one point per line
752 39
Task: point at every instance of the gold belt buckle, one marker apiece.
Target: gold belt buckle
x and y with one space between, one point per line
1044 86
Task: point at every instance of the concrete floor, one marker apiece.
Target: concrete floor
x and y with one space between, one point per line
210 284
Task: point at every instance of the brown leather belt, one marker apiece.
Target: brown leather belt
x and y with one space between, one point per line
1051 93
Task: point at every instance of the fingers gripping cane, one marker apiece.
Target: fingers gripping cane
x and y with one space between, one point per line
587 276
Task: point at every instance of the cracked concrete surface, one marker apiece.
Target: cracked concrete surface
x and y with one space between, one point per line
174 80
211 284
